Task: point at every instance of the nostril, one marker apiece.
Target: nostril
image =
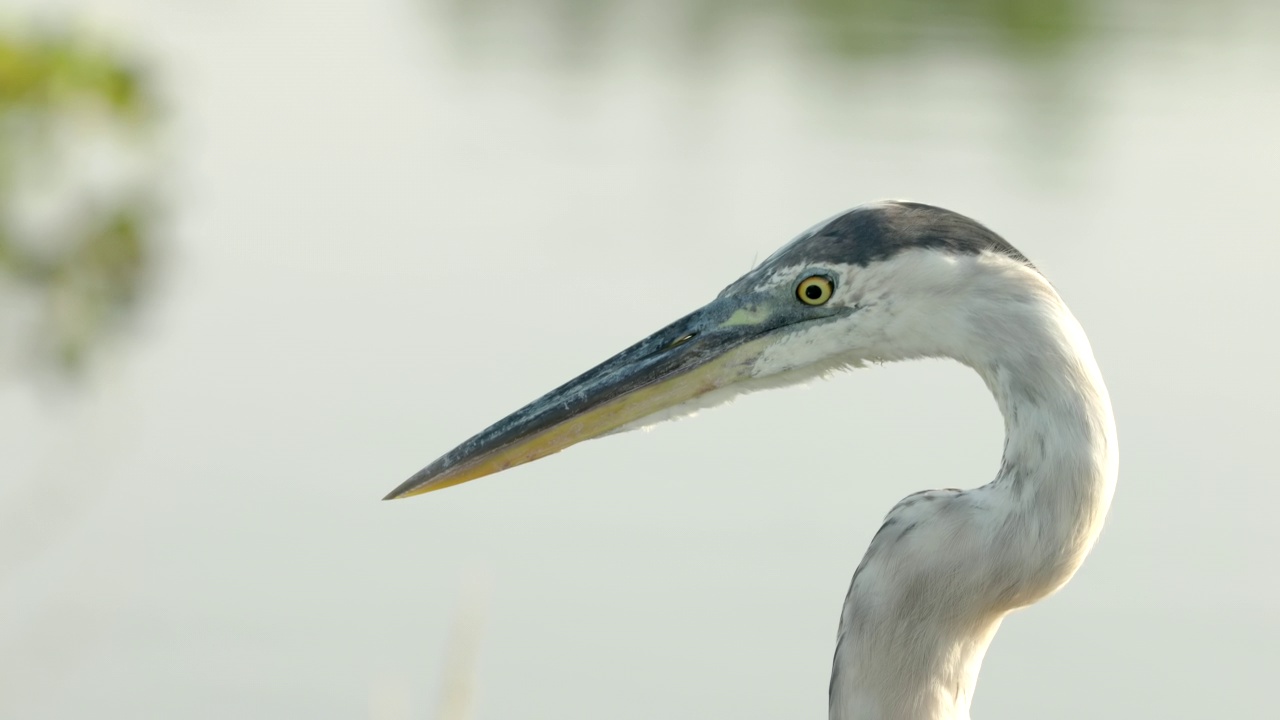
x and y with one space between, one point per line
681 340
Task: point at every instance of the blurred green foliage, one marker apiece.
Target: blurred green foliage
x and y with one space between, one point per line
1021 27
849 29
80 273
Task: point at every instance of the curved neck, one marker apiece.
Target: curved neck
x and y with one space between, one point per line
948 565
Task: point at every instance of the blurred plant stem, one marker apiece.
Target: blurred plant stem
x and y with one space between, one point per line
79 267
458 686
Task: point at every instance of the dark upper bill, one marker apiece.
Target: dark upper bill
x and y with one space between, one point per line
708 349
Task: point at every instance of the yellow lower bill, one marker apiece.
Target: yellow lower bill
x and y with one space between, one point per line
720 372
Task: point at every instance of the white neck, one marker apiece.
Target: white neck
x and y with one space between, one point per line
948 565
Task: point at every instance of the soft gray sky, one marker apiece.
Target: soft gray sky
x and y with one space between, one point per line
381 243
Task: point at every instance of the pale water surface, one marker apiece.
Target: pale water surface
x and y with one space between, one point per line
391 223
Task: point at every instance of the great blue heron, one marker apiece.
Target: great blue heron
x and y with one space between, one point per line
885 281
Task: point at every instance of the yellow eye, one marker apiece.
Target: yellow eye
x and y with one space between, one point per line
814 290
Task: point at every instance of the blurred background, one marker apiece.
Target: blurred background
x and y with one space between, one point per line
260 261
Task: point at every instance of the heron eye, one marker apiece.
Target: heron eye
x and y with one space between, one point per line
814 290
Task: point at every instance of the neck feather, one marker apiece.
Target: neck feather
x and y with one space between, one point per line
948 565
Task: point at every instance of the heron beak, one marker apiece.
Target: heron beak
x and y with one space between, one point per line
708 349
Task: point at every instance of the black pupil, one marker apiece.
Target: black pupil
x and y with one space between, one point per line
813 292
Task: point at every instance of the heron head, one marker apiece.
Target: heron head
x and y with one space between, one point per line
875 283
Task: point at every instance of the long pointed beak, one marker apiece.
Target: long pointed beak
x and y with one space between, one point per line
708 349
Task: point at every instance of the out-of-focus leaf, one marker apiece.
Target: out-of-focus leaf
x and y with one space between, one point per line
88 274
848 29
